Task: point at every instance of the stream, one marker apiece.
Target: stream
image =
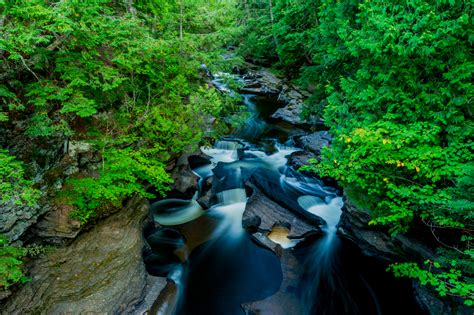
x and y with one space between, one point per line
219 267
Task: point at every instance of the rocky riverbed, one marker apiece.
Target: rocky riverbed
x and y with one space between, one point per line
101 269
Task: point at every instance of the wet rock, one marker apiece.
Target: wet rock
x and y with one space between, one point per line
102 271
291 113
196 233
251 223
285 301
167 301
271 213
154 287
185 181
271 185
205 199
374 241
280 235
262 239
300 158
314 142
196 161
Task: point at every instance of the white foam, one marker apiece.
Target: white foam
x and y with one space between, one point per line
330 212
177 215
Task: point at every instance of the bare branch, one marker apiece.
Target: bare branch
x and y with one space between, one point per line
28 68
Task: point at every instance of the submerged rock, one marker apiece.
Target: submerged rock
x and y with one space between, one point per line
102 271
285 301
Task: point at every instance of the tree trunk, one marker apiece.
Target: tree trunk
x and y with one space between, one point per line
181 10
275 41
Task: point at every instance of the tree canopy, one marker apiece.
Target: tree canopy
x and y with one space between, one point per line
393 82
125 77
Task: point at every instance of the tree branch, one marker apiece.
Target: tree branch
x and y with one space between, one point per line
28 68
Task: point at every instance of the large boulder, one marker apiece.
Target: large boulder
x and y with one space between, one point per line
314 142
102 271
300 158
291 113
261 82
184 180
263 214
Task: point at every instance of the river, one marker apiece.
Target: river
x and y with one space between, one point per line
218 267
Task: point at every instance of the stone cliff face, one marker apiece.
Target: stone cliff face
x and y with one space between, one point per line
374 241
95 267
49 220
102 271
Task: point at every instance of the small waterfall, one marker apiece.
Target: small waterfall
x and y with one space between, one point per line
230 207
231 196
223 151
322 264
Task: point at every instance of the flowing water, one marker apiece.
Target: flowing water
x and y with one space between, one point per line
218 267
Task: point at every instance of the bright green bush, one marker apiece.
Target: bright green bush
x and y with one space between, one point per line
13 185
10 264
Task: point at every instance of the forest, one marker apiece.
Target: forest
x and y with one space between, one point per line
128 86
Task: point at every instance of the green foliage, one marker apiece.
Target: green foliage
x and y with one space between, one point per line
445 282
127 78
396 139
256 37
393 82
13 185
122 176
10 264
35 250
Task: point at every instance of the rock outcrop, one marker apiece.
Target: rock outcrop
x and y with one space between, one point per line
314 142
102 271
376 242
262 214
263 82
261 217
